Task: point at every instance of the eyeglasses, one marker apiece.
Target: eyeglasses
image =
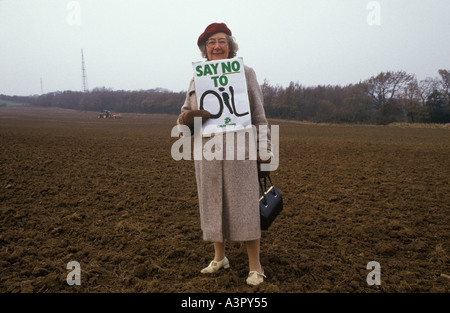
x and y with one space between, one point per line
222 42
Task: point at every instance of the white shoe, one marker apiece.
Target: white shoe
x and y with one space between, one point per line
254 278
214 266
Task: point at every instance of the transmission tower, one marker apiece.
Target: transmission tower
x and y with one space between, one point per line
83 74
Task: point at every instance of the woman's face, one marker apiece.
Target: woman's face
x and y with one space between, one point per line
217 47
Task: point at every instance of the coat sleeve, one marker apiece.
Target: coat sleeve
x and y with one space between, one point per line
190 103
256 100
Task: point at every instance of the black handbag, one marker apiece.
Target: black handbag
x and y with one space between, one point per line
270 204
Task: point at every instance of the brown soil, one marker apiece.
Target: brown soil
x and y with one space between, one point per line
107 194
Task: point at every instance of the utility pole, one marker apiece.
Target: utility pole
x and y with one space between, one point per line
84 83
42 87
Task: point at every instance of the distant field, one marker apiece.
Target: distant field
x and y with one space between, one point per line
6 103
107 194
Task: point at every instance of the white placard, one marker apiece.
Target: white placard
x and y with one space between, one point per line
221 89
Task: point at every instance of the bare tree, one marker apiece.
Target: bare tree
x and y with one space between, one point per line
411 101
385 86
426 87
445 84
383 90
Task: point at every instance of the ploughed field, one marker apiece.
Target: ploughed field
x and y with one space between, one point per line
107 194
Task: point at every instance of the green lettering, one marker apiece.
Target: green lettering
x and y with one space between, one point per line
214 66
223 80
215 80
199 71
236 66
226 67
207 70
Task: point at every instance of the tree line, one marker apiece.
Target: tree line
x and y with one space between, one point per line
392 96
154 101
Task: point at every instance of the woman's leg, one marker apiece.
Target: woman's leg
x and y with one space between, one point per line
219 251
253 248
219 259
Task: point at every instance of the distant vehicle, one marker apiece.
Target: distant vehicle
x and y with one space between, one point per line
108 114
104 114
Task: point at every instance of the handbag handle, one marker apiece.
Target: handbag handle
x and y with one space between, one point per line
263 190
265 182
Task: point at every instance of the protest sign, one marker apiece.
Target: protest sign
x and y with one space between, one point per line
221 89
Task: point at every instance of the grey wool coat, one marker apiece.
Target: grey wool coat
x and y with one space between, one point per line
228 190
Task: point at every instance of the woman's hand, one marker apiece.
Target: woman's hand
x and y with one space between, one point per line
187 118
266 159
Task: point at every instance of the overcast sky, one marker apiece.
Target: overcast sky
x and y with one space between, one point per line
145 44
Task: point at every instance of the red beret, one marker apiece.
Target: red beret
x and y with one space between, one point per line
212 29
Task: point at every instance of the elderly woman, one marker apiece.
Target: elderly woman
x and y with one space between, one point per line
228 190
